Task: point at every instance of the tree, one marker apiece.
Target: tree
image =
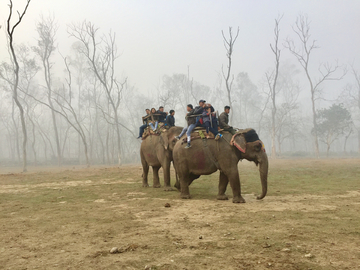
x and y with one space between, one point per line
302 54
287 121
248 101
101 56
351 97
229 46
10 34
64 101
29 69
47 29
271 78
178 90
331 123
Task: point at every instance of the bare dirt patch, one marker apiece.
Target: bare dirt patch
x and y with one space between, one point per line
71 219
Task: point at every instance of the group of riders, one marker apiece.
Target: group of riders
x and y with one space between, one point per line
202 115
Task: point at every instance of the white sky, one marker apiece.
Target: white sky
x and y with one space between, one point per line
157 37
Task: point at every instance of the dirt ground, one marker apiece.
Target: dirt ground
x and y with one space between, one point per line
70 218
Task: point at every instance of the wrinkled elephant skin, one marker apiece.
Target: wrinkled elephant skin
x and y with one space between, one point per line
207 156
156 151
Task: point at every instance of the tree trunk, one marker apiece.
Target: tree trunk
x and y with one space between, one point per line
33 142
328 150
10 32
316 141
118 138
107 147
273 134
17 144
229 45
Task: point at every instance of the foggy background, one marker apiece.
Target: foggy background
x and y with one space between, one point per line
171 53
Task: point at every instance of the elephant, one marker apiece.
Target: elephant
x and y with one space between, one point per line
156 151
206 156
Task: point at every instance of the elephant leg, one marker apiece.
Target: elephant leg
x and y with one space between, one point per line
156 181
145 166
177 183
166 169
234 180
223 182
184 187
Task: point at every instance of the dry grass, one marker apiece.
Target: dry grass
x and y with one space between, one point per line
70 219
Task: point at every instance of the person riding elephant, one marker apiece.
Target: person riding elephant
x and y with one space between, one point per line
170 119
207 156
191 124
224 121
154 122
209 121
156 151
198 110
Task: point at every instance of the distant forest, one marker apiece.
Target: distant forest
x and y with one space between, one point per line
88 114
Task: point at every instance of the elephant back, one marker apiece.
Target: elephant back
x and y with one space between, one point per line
149 132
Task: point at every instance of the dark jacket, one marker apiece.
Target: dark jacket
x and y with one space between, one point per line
206 117
170 120
146 121
190 120
161 117
199 110
224 120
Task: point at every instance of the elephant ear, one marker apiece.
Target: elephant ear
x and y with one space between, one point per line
165 140
241 143
238 140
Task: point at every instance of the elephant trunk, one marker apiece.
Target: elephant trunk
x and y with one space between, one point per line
263 168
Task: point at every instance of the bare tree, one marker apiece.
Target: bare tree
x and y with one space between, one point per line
287 117
47 29
29 69
64 101
101 56
351 97
229 46
302 54
357 98
10 34
249 101
271 78
63 98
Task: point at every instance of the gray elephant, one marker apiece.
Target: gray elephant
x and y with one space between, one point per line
156 151
206 156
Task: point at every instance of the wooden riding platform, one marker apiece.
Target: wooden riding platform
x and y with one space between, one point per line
200 133
149 132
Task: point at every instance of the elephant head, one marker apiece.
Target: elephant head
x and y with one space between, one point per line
168 139
251 148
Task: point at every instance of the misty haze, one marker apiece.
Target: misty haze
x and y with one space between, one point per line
100 100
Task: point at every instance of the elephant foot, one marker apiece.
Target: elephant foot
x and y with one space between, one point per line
145 185
157 186
168 188
185 196
238 200
177 186
222 197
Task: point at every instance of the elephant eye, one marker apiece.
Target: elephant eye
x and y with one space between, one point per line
258 146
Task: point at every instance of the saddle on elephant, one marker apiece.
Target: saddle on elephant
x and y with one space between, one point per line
248 135
200 133
149 132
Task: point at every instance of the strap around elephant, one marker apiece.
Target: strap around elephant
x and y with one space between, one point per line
207 150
